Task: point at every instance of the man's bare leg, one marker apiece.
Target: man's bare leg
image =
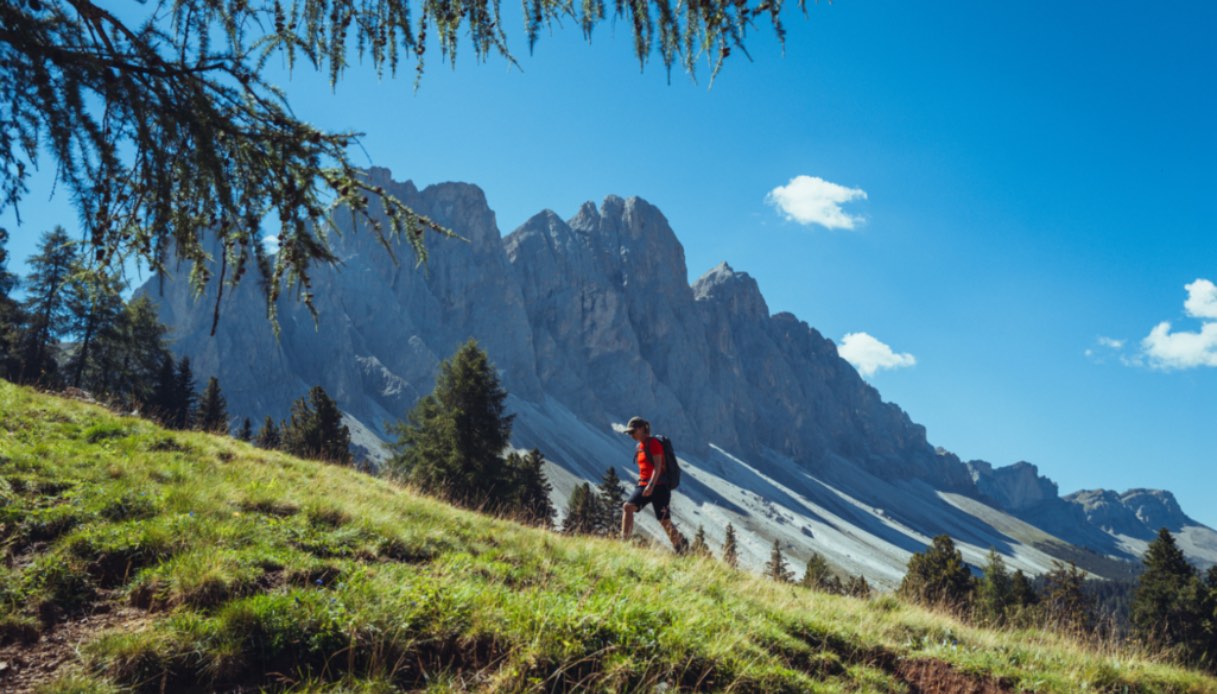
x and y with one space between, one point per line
627 520
678 540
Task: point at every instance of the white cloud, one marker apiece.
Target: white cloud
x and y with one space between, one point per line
1111 342
1166 349
270 243
1181 350
1201 299
869 355
812 200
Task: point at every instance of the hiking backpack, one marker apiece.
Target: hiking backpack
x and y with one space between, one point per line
671 469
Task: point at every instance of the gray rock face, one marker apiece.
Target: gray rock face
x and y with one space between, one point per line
594 313
1137 513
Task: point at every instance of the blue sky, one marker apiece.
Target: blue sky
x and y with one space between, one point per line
1040 185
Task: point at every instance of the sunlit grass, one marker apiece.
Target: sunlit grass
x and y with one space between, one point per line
261 569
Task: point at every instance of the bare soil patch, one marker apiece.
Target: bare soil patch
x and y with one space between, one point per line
939 677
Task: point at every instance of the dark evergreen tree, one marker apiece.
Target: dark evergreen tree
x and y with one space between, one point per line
268 436
699 548
819 576
181 411
11 317
48 289
95 316
315 429
130 367
1168 607
776 568
1065 604
994 592
162 401
611 495
582 515
531 489
1024 601
858 587
939 577
453 440
246 432
212 413
730 551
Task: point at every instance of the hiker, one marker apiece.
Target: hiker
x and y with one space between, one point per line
652 487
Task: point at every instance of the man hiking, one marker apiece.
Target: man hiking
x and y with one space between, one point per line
652 488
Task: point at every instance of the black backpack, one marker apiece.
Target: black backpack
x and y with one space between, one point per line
671 469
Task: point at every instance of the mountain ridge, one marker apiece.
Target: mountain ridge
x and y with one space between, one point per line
591 320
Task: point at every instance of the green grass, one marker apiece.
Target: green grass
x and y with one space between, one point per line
257 569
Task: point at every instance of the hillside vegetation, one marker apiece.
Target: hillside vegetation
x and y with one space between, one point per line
139 558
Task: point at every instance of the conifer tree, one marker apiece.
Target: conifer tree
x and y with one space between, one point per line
939 577
246 432
95 315
181 408
611 495
994 592
129 360
582 515
1065 604
819 576
162 401
315 429
699 548
48 290
776 567
1168 606
730 551
11 316
212 414
268 436
453 440
858 587
531 489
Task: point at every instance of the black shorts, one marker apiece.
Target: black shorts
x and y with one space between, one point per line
661 498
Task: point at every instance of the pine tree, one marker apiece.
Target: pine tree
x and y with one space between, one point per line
699 548
1024 601
246 432
611 495
162 402
11 316
268 436
212 414
315 429
453 440
95 313
181 408
1168 607
994 592
776 568
582 517
130 368
530 489
730 552
939 577
858 587
1065 604
48 290
819 576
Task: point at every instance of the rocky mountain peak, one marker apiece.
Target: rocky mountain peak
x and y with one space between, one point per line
738 291
1015 487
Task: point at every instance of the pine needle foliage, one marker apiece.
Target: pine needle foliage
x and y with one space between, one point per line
776 568
315 429
1172 603
164 131
452 443
938 577
212 415
700 548
611 494
582 512
819 576
48 289
268 436
730 551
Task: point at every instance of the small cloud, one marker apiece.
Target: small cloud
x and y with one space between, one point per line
812 200
270 243
1105 345
1201 299
869 355
1181 350
1169 349
1111 342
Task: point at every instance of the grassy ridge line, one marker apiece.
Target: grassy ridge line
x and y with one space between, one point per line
258 569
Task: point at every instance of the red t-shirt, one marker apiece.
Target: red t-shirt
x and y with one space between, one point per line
645 468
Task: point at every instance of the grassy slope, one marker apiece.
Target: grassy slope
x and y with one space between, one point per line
236 563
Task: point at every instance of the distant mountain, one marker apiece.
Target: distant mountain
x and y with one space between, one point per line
589 321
